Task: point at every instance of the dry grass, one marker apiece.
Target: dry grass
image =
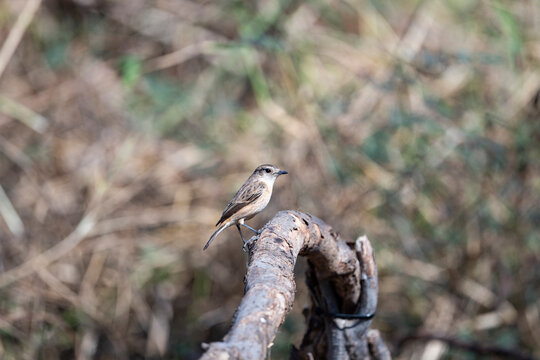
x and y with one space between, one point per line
125 127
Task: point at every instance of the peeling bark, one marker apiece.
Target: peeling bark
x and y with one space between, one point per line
341 280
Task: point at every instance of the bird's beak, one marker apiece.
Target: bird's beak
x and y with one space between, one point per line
282 172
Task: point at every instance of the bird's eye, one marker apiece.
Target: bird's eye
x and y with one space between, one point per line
268 171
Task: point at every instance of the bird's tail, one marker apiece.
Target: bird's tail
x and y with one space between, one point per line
221 228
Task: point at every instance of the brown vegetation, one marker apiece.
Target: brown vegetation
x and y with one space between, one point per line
125 126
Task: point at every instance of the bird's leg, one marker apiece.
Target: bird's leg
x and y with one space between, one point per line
258 232
242 236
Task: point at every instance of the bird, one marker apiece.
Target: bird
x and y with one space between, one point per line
249 200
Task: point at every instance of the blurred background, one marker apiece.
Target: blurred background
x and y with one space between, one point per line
126 127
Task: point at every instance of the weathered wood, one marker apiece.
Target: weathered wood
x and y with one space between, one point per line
344 280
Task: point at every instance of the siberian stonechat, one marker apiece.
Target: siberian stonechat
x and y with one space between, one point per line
250 200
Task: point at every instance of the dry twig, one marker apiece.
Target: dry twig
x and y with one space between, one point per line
17 31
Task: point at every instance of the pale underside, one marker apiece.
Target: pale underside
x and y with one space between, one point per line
250 199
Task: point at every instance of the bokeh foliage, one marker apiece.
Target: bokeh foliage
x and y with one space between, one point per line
414 122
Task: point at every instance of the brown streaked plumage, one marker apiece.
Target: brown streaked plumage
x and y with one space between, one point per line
249 200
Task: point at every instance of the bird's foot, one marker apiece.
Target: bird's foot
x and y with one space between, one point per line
247 243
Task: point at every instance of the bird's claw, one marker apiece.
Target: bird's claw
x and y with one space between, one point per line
247 243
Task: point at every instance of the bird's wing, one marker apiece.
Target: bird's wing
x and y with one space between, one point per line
248 193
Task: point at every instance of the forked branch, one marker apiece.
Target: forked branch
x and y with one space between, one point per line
342 280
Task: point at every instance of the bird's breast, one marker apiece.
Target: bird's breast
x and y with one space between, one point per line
249 211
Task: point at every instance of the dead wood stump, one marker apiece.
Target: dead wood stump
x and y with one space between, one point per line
342 280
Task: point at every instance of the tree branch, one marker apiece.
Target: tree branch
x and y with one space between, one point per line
341 280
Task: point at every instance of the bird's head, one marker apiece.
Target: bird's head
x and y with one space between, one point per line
269 172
